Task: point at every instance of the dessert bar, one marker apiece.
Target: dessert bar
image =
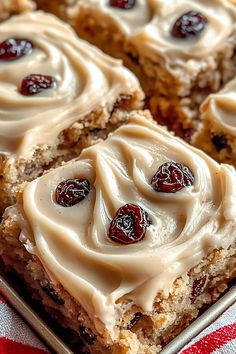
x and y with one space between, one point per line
181 50
125 244
57 95
217 133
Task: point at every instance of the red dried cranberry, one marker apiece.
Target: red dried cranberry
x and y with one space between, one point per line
36 83
135 319
72 191
129 224
123 4
171 177
14 48
197 287
87 336
189 24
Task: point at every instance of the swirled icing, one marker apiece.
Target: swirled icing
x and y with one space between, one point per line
148 24
220 109
73 244
86 79
128 21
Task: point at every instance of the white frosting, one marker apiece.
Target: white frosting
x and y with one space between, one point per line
129 21
148 25
86 79
220 109
73 242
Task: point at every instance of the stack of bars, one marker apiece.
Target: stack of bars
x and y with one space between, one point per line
122 230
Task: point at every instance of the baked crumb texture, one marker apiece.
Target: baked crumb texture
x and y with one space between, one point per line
58 8
136 332
13 7
216 133
216 142
174 99
89 130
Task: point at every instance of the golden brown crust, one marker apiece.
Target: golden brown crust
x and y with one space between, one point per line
136 332
13 7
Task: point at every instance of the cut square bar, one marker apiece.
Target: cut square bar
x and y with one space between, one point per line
58 94
126 244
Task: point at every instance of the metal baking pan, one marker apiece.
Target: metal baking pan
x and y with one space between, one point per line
58 346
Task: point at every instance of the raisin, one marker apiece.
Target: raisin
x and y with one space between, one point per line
123 4
72 191
133 58
51 292
122 102
220 142
171 177
36 83
135 319
14 48
190 24
197 287
87 336
187 135
129 224
74 341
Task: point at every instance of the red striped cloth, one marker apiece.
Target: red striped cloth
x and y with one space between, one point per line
218 338
17 338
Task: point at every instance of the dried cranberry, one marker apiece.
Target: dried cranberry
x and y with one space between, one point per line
220 142
87 336
135 319
123 4
72 191
129 224
14 48
133 58
197 287
187 134
189 24
44 284
122 102
36 83
171 177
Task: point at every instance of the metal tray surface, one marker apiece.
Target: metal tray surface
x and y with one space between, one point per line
58 346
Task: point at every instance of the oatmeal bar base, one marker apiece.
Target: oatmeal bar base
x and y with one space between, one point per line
136 332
